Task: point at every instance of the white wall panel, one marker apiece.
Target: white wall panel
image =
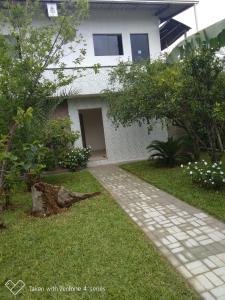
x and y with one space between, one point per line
122 144
102 21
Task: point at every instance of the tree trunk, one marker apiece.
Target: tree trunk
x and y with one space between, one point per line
31 179
191 132
2 225
219 139
51 199
2 202
4 198
212 142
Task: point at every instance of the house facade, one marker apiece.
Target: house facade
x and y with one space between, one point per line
115 31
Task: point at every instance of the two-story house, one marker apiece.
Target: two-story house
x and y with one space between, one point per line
116 30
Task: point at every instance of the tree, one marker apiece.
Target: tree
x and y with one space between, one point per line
26 51
188 94
203 91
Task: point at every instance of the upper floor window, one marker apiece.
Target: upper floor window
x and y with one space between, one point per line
139 46
108 44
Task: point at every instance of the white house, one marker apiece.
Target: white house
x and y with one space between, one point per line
116 30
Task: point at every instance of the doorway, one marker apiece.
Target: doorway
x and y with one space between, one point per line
92 132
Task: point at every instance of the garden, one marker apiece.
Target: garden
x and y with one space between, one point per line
176 182
49 237
187 97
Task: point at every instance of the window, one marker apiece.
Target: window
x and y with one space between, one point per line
139 46
108 44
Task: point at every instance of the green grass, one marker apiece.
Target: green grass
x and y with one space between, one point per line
175 182
93 244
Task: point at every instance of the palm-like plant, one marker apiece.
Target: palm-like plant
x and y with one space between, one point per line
170 152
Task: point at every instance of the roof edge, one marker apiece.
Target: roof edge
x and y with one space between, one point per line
147 1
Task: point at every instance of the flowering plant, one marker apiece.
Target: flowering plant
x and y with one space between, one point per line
76 158
210 175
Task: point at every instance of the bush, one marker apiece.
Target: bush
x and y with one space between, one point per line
59 139
76 158
169 153
209 175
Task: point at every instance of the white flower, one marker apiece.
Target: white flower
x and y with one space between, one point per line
182 166
196 162
221 172
224 180
191 173
208 171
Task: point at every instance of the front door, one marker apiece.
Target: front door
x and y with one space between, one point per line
139 46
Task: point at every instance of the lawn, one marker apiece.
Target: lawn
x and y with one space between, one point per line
94 245
175 182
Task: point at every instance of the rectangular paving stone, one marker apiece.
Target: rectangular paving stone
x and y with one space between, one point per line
174 245
213 278
219 291
209 263
219 271
197 285
218 262
184 272
221 256
205 282
194 265
182 258
199 270
207 296
177 250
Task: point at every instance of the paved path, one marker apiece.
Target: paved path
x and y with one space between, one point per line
192 241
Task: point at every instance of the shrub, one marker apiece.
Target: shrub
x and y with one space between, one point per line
209 175
169 153
76 158
59 139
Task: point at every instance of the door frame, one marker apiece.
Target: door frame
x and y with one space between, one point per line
83 137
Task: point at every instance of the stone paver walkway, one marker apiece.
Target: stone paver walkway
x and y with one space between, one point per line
192 241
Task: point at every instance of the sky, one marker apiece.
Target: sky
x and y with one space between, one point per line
208 12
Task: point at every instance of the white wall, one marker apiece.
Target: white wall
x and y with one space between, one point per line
125 22
123 144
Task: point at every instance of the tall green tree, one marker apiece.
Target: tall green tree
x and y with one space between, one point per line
30 43
188 94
